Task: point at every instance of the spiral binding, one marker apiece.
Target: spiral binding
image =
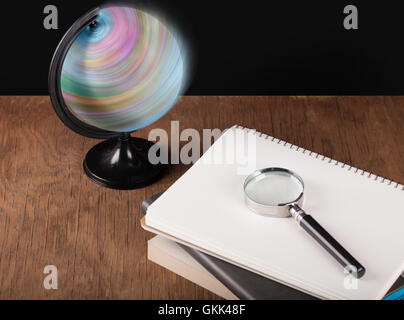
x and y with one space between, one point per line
321 157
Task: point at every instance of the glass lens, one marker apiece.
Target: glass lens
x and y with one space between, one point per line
274 188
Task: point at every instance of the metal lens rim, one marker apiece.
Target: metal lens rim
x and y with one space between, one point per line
264 171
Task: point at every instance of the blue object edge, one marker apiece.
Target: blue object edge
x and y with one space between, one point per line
397 295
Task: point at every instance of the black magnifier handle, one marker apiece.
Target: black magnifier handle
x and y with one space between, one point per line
312 227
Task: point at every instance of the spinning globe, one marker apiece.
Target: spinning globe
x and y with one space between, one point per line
115 71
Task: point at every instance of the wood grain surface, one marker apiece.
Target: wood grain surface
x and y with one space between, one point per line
52 214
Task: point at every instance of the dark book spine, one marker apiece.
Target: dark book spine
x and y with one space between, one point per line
246 285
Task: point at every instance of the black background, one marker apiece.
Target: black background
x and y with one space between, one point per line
249 47
139 309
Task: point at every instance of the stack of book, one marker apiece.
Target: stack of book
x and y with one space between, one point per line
206 234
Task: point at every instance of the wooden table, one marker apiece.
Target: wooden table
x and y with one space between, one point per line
52 214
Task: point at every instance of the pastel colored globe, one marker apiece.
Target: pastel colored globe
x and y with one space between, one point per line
124 72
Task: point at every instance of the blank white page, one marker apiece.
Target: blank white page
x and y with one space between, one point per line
205 208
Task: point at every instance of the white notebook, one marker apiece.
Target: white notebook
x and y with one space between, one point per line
205 209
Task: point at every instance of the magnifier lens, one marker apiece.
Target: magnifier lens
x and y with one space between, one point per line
277 192
274 188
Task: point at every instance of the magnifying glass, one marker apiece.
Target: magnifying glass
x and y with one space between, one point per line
278 192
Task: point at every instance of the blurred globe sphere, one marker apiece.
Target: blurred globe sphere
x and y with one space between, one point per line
124 72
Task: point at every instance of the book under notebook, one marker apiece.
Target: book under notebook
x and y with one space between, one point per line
205 209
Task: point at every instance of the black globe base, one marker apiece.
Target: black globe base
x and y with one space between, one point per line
122 163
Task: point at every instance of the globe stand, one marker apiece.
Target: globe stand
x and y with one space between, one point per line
122 163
